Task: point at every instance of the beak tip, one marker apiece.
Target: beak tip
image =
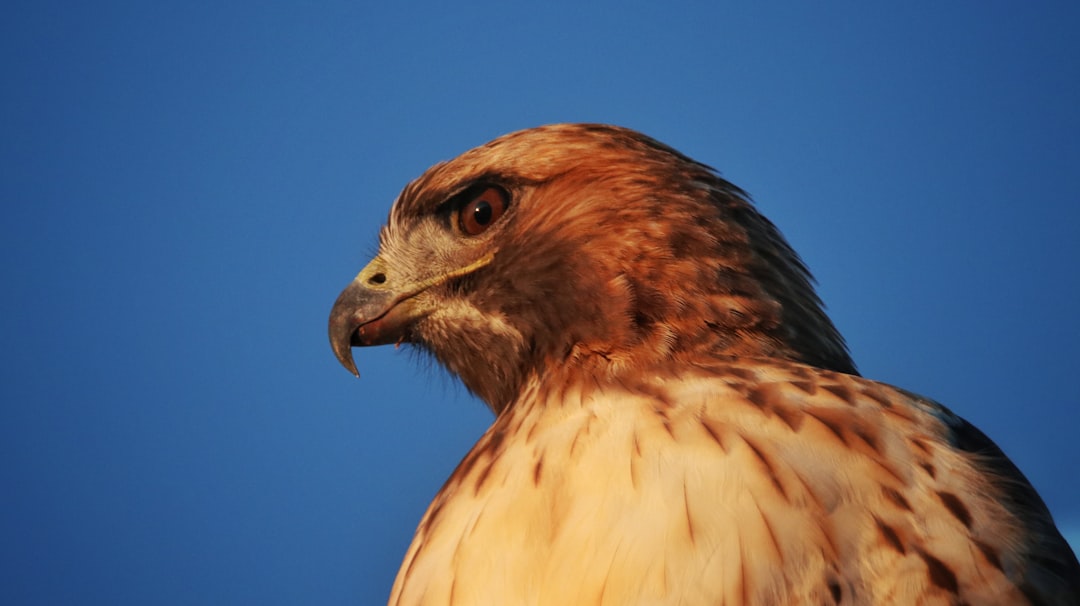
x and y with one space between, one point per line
340 343
343 353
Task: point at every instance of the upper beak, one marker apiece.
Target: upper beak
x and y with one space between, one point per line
369 312
376 310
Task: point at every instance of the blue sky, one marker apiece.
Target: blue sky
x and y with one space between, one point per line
187 187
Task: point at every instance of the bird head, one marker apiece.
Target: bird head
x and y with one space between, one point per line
580 247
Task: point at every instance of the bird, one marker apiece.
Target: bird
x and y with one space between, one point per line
676 418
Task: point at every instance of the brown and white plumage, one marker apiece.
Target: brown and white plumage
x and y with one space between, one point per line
678 421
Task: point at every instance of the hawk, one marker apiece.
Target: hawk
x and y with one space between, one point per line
677 421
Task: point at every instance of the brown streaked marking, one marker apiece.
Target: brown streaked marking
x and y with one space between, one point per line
517 425
686 509
661 412
760 454
866 433
433 513
558 393
772 534
889 534
921 446
842 392
792 417
538 470
771 399
809 490
532 431
466 465
661 399
940 574
483 477
824 417
714 432
741 373
737 386
902 413
824 373
885 465
990 554
495 440
956 507
802 373
835 590
876 394
830 542
589 423
807 387
489 447
867 436
574 443
930 469
896 498
760 395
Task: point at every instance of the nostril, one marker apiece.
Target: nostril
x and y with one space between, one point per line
378 278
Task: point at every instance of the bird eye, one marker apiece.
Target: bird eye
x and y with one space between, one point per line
483 210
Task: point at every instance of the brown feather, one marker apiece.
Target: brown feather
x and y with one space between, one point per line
678 421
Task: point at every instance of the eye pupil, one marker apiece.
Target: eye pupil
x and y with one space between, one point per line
482 213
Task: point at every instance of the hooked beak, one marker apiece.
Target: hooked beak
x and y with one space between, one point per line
373 310
368 312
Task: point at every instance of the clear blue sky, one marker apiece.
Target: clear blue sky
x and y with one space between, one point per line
187 186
